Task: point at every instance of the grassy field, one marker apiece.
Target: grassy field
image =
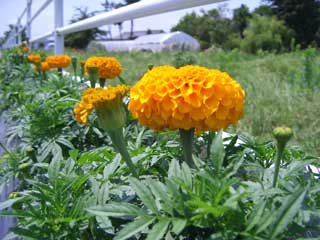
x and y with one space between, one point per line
280 89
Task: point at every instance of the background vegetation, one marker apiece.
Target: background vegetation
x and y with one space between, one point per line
277 27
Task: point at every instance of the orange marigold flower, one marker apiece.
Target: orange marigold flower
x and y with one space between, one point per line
45 66
185 98
34 58
61 61
109 67
108 104
24 49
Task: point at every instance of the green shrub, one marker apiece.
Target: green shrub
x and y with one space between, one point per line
267 34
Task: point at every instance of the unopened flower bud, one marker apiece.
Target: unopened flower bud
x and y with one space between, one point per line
282 134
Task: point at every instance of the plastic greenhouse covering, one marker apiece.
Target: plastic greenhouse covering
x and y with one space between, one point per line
153 43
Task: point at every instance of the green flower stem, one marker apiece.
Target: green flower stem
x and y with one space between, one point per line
60 72
102 82
74 62
282 135
43 77
211 135
280 148
119 142
122 80
92 79
186 137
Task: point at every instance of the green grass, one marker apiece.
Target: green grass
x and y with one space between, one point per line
275 86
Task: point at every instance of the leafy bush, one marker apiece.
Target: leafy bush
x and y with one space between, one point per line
267 34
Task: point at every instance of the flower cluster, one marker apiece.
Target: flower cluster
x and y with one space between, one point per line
34 58
101 99
185 98
109 67
61 61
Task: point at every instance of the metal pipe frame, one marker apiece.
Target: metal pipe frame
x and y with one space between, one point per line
140 9
137 10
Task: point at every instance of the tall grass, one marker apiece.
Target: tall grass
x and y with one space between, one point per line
280 89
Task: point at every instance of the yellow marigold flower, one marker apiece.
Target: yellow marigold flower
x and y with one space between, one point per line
109 67
34 58
61 61
186 98
108 104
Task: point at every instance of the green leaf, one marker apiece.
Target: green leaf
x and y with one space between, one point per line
139 138
174 168
158 230
178 225
9 202
112 166
287 211
17 213
186 175
118 209
74 154
22 232
134 227
54 168
144 194
160 192
217 152
256 214
10 236
65 142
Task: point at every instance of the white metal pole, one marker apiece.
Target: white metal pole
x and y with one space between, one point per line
19 32
29 3
143 8
58 22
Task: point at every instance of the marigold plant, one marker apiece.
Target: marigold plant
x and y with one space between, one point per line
34 58
109 67
186 98
60 61
101 99
111 115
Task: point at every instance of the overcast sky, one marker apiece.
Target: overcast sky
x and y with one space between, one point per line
10 10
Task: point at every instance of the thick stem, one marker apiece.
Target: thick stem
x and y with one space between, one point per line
92 79
122 80
280 148
211 135
119 142
186 137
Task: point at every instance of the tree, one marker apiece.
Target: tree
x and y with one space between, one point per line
302 16
264 10
267 34
13 29
81 39
241 17
210 29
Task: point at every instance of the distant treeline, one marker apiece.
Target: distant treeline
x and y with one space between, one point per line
280 26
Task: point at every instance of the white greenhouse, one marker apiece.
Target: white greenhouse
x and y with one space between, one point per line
152 42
